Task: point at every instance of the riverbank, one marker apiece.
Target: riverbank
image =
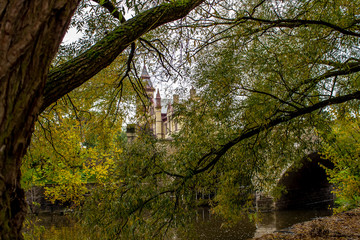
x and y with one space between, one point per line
344 225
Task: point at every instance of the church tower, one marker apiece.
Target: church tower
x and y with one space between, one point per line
145 107
154 114
149 88
158 117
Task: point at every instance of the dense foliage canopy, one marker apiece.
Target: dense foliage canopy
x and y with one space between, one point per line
266 74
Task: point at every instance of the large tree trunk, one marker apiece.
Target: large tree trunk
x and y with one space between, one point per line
30 33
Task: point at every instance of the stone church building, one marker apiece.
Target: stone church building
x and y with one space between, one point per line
157 117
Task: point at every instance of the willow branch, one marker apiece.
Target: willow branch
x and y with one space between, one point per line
272 123
114 11
291 23
72 74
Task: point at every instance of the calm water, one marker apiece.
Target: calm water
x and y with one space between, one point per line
208 227
205 227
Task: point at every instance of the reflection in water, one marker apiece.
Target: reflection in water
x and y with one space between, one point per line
208 227
205 227
53 227
280 220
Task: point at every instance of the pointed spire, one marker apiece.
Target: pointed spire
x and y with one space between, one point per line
148 84
145 74
158 94
158 99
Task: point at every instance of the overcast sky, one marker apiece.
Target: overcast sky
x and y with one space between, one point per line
71 35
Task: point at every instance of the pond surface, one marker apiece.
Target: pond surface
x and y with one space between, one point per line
209 228
205 227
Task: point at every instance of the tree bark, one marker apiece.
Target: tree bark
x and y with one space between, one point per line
75 72
30 34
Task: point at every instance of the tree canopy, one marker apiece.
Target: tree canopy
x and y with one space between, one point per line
266 71
31 33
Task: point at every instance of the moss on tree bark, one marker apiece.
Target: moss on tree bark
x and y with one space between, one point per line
30 34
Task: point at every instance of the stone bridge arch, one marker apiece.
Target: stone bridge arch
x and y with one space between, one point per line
306 187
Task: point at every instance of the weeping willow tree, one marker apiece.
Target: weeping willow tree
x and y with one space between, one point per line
31 32
266 70
267 73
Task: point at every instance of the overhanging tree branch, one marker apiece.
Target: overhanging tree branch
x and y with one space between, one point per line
70 75
291 23
218 153
112 9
